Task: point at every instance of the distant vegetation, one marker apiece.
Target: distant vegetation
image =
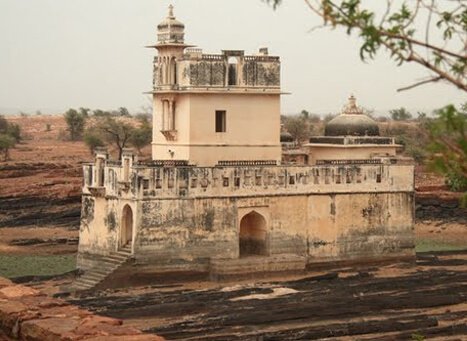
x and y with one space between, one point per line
109 128
10 135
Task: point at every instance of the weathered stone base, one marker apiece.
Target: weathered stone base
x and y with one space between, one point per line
256 266
139 272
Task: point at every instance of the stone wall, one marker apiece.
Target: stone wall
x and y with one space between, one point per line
27 314
183 217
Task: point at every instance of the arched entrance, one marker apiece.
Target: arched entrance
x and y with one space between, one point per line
253 235
127 226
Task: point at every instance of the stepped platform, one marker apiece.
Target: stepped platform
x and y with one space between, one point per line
256 266
108 265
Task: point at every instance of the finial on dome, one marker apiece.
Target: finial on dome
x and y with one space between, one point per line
351 107
171 12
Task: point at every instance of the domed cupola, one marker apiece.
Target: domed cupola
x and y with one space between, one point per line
352 122
170 31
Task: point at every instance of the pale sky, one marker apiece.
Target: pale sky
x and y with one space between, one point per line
57 54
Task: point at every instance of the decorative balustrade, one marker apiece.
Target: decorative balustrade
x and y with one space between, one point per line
177 179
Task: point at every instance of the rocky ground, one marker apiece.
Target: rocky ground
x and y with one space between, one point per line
407 301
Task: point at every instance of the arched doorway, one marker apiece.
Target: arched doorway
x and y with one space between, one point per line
127 226
253 235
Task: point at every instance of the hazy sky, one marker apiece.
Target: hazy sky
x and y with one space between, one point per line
56 54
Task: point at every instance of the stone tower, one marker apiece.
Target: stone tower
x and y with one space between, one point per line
213 109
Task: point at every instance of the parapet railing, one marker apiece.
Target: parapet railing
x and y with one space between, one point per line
352 140
162 178
349 162
248 163
262 58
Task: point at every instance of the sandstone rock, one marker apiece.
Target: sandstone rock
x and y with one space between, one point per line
5 282
26 314
49 329
17 291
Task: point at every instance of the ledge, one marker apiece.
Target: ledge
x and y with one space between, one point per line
97 191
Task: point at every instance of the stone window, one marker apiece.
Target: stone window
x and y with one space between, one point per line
292 180
378 178
194 183
225 182
237 182
221 126
258 180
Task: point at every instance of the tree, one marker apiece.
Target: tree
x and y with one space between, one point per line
100 113
84 111
6 143
400 114
448 147
76 122
141 137
92 140
122 111
13 130
3 124
115 132
299 127
439 46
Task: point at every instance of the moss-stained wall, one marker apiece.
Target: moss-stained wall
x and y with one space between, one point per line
191 215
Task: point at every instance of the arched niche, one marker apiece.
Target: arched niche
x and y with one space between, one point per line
253 235
126 234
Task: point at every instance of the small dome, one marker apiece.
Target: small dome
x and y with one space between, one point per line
170 30
352 122
170 21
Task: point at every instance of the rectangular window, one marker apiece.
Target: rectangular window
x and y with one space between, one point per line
220 121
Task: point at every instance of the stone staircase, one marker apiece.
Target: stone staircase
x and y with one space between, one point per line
108 265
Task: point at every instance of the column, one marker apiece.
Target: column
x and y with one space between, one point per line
171 115
164 121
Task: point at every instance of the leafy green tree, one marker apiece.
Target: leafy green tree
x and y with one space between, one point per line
448 147
11 129
84 111
3 124
92 140
6 143
437 45
141 137
76 122
122 111
100 113
115 132
400 114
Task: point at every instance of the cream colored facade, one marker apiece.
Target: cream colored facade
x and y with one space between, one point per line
220 203
190 86
252 128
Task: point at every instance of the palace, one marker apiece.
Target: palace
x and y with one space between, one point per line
216 201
